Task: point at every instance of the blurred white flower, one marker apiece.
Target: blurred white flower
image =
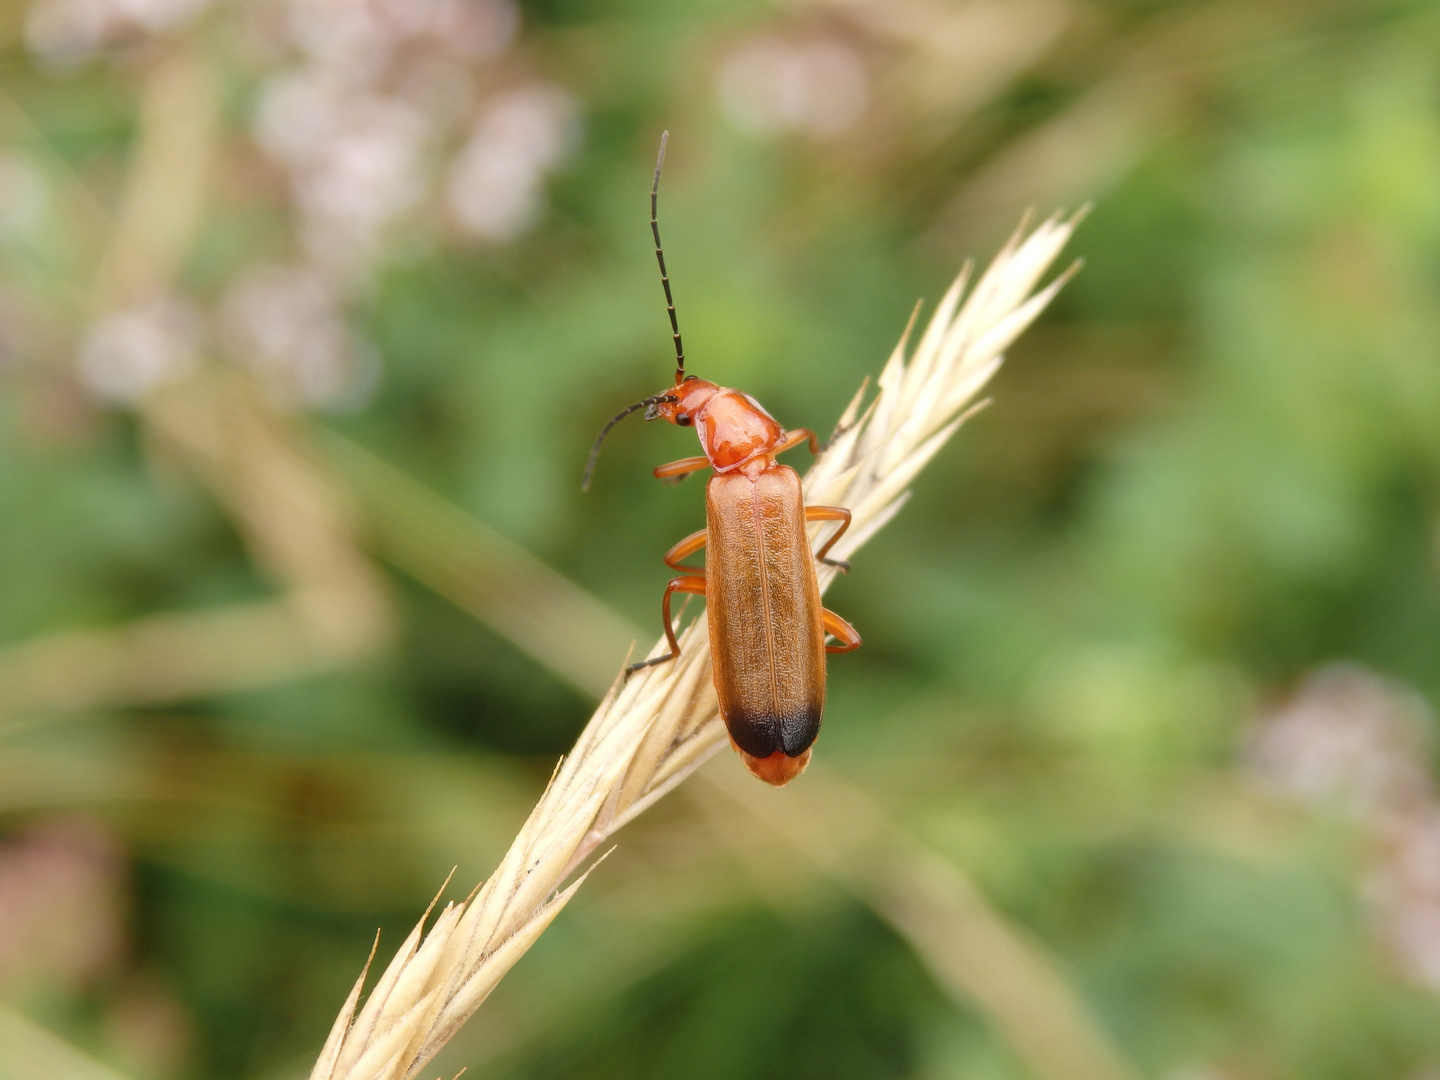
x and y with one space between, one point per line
296 111
286 324
377 89
495 188
68 31
72 31
1350 735
130 352
771 85
474 28
355 162
359 39
157 15
348 39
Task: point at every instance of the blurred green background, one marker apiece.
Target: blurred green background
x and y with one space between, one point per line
309 311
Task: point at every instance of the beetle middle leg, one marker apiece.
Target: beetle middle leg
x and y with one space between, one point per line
830 513
690 583
691 544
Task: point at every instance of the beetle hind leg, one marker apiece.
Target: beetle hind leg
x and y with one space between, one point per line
690 583
841 630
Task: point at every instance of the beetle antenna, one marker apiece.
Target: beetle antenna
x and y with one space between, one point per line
660 257
595 450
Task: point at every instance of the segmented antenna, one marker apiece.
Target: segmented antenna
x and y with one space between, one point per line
595 450
674 327
660 257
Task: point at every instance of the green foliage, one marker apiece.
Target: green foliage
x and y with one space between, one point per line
1212 469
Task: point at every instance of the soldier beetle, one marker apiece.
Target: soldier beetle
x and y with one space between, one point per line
762 598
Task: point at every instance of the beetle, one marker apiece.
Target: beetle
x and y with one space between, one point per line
768 628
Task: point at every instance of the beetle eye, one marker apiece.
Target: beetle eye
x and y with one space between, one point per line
683 419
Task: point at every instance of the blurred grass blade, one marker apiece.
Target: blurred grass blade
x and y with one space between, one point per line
976 955
297 522
168 175
497 581
30 1052
160 659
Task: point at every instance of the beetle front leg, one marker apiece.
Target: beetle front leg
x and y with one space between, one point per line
794 437
675 471
691 583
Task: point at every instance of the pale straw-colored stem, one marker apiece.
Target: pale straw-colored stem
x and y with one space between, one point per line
654 730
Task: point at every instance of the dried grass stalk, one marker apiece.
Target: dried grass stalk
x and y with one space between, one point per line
654 730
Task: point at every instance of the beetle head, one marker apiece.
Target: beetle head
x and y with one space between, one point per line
680 405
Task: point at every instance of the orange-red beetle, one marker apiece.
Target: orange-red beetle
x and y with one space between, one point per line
762 599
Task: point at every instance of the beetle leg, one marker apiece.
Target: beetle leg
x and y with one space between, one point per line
676 471
691 544
794 437
691 583
839 628
830 513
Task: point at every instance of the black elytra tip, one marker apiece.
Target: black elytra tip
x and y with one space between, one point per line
762 735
